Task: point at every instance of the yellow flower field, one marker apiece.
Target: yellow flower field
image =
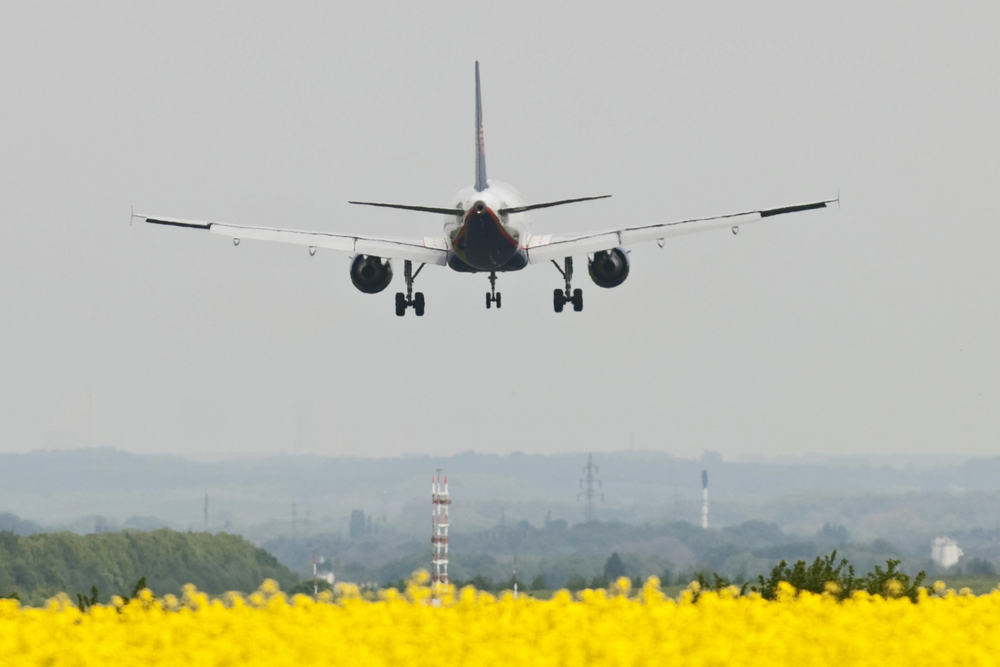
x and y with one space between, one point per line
467 627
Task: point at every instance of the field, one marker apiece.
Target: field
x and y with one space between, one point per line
416 627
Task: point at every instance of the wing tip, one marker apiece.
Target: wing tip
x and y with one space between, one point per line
798 207
176 222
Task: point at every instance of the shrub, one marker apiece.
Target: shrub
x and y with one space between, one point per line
826 575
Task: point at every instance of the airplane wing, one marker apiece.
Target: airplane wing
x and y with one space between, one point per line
427 250
545 247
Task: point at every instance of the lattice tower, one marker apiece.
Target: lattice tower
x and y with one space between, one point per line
439 526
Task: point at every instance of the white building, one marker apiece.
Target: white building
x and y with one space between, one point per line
945 552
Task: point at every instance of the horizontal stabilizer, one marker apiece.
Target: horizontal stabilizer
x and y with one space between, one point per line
426 209
532 207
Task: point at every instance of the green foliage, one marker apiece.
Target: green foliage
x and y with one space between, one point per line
974 566
479 582
716 583
812 578
539 583
305 587
84 602
877 582
825 574
40 565
139 585
613 567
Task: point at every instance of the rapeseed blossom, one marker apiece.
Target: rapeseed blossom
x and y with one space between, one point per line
441 626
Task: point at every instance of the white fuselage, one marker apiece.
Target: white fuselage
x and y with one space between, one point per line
481 208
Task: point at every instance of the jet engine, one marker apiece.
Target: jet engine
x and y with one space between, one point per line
371 274
609 268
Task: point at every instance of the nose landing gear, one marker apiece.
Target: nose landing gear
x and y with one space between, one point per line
404 301
493 296
560 297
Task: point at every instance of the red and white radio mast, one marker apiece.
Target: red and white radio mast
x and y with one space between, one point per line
439 527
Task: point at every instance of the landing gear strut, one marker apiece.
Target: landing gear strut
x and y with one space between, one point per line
493 296
569 295
404 301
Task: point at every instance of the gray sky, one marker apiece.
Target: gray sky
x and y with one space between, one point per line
869 329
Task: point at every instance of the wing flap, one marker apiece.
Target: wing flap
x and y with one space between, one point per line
548 247
426 250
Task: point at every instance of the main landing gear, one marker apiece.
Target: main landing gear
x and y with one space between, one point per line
404 301
493 296
569 295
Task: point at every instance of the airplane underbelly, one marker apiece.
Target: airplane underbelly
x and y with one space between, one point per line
483 243
518 261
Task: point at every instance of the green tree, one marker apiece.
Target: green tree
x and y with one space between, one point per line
40 565
613 567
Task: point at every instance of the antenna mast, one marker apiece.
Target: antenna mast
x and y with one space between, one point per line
590 476
704 499
439 527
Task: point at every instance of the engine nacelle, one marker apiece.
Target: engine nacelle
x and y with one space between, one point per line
371 274
609 268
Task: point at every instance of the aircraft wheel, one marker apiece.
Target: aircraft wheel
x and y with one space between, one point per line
578 300
558 300
418 304
400 304
489 301
497 299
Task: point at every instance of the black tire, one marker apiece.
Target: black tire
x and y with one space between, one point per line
558 300
418 304
497 299
400 304
578 300
489 301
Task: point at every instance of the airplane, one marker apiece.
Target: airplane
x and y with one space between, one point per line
486 231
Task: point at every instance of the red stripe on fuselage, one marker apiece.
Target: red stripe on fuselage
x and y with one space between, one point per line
493 216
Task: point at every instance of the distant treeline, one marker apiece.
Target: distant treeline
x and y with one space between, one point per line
38 566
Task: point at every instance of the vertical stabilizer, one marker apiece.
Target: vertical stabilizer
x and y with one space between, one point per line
480 145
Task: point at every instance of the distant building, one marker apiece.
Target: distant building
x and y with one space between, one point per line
945 552
357 526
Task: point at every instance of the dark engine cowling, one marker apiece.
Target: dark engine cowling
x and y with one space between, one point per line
371 274
609 268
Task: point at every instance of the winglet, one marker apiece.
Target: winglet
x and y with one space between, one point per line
481 183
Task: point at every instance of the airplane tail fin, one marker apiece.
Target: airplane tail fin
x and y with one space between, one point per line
481 183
